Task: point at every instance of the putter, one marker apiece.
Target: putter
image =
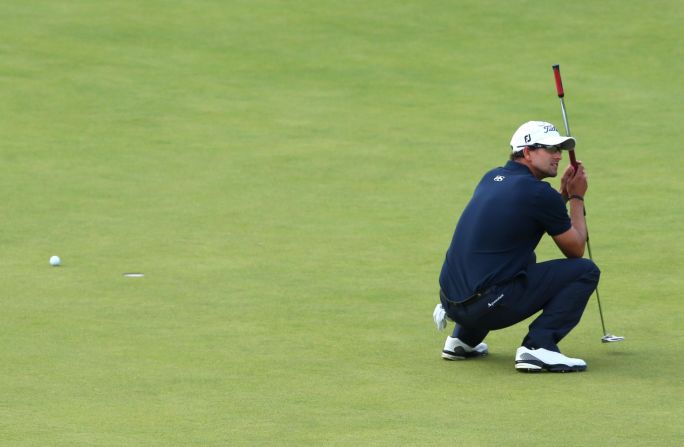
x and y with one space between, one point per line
607 338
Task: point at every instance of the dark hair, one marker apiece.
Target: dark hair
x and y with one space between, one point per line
521 153
518 154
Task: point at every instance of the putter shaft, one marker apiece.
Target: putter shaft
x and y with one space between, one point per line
561 95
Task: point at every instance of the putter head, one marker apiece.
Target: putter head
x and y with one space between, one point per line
609 338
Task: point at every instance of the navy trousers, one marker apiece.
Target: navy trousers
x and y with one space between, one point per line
559 289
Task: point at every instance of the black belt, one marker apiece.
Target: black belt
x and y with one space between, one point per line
477 295
471 299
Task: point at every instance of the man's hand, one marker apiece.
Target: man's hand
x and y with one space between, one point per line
569 172
573 241
576 184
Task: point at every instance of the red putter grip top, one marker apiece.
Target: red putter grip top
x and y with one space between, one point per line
559 83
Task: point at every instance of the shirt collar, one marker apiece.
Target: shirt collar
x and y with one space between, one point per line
517 167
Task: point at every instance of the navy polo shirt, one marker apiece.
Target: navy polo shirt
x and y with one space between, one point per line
499 229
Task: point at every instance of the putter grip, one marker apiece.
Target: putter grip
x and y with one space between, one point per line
559 83
573 160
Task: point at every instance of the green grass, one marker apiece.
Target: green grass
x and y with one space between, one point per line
287 175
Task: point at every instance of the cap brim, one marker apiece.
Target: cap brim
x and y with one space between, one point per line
566 143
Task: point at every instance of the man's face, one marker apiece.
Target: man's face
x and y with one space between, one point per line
544 161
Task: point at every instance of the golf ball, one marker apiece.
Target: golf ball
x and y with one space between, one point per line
55 261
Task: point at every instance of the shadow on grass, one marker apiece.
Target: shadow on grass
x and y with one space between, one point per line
503 364
492 362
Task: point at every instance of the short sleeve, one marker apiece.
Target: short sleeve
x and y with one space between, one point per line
550 211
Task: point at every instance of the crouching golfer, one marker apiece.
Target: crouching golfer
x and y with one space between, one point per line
490 278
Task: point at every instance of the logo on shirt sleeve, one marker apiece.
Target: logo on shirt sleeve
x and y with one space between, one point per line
499 178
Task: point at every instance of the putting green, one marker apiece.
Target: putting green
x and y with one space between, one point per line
286 176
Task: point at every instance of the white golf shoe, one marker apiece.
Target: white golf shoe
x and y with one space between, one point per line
455 349
537 360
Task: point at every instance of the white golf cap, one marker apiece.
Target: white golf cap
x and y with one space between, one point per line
542 133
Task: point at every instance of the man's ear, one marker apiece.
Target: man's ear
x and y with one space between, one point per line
526 153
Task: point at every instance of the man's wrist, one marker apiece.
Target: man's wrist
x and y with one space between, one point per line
575 196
